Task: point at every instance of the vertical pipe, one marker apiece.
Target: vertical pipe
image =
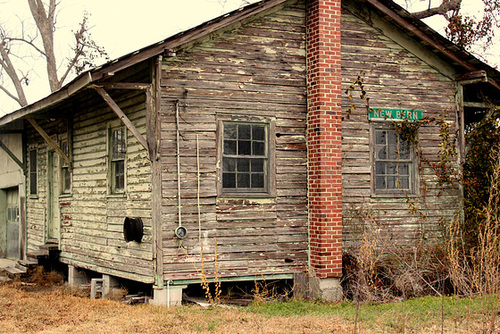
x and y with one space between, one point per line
178 163
198 184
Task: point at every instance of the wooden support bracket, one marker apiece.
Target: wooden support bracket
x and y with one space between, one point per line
49 140
11 155
116 109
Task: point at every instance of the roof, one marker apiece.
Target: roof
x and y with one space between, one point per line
392 12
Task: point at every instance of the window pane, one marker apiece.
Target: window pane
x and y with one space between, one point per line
230 147
258 132
258 180
404 182
119 174
244 147
392 168
393 152
66 180
380 168
243 165
382 153
380 182
404 169
64 148
243 180
392 137
258 148
391 182
32 160
33 172
257 165
404 150
228 180
118 144
380 137
244 131
229 165
230 131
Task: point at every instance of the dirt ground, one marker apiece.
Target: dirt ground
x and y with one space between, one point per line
45 305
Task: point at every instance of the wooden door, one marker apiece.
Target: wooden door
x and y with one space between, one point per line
53 216
12 227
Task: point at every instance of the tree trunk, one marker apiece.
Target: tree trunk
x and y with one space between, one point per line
45 24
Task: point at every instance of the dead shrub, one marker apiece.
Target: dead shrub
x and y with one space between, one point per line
266 292
43 278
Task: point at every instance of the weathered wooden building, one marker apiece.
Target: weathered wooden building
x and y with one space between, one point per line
236 150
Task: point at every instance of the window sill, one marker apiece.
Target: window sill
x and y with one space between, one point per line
117 196
394 195
65 196
246 195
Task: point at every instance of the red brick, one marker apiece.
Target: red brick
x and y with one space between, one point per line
324 136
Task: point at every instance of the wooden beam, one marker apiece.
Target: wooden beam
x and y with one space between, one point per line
154 135
11 155
473 75
470 104
121 115
123 85
49 140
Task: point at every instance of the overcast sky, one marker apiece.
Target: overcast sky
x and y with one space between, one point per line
122 27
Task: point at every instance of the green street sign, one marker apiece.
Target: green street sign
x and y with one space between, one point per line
395 114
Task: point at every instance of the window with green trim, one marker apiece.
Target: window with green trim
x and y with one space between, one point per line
33 172
65 173
117 152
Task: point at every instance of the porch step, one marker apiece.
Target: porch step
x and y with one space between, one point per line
26 264
15 271
50 247
41 253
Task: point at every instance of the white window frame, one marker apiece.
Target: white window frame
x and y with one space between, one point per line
395 183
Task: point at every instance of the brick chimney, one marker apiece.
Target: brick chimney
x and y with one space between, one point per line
324 138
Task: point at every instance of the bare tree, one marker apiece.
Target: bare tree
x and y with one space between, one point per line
462 29
84 52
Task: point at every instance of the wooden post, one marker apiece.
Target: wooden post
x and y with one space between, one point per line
49 140
154 136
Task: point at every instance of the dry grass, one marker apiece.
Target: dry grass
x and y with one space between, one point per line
57 310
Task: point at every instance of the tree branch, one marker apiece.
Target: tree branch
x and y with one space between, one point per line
443 9
7 65
12 96
30 43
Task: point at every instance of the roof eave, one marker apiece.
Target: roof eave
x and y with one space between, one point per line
81 82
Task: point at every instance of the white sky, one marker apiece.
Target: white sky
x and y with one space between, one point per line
122 27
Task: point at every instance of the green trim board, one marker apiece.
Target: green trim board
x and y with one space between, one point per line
233 279
395 114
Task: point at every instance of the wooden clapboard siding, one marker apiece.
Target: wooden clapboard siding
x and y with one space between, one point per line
91 219
94 237
256 69
393 78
